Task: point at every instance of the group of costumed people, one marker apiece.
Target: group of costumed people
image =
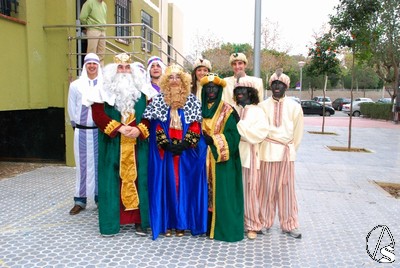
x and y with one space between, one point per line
176 154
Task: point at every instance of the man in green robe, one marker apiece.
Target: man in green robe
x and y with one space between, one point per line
224 170
123 147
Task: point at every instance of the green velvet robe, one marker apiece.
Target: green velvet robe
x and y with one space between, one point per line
109 178
224 172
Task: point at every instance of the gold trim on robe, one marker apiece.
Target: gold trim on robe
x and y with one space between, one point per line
128 171
145 131
111 126
214 127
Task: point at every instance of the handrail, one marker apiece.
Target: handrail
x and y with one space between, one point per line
123 25
174 55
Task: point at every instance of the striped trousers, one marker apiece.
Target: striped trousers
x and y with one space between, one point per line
269 190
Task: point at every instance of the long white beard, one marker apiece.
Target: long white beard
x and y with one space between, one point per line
126 93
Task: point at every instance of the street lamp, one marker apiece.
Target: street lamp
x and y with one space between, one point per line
301 64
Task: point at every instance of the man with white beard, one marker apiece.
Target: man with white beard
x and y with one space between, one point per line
123 147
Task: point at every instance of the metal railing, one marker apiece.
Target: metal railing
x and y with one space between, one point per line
162 49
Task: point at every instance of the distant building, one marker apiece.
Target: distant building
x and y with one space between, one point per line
41 53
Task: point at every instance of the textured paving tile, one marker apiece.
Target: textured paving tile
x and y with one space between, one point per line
338 206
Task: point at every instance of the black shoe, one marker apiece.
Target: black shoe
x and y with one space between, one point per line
139 230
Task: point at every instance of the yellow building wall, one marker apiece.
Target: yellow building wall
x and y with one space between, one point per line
60 56
13 66
35 57
33 65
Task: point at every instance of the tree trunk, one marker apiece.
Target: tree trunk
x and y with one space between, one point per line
396 94
351 101
323 104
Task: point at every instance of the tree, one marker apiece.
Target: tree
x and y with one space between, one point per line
270 35
219 57
324 62
201 43
386 44
354 28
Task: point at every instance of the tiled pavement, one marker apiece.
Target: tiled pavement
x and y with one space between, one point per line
339 204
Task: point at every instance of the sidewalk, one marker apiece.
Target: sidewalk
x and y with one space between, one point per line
339 204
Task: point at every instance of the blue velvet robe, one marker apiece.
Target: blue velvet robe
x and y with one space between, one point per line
167 210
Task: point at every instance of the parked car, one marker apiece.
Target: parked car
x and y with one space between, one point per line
384 100
320 99
356 106
313 107
337 104
294 98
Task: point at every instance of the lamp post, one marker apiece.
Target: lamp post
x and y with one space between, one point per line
301 64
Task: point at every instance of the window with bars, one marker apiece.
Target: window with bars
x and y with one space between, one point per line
123 16
146 33
8 6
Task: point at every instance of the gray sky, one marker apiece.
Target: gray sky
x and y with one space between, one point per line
233 20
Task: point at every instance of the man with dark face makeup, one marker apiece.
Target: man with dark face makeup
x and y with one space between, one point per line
253 129
238 62
224 174
277 155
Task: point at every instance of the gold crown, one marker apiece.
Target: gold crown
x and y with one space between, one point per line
212 78
173 69
123 58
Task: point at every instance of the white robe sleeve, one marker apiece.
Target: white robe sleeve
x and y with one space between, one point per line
73 100
253 127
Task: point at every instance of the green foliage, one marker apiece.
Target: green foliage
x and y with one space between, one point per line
376 110
236 48
371 29
353 26
323 56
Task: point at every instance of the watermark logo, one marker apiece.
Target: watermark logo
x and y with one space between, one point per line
380 244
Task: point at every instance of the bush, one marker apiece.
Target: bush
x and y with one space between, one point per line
376 110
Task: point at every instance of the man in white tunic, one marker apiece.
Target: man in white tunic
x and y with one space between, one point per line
277 156
253 129
238 62
85 131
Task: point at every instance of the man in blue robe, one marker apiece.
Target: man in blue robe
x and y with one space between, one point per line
177 182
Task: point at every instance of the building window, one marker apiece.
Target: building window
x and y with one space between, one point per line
8 6
147 34
123 16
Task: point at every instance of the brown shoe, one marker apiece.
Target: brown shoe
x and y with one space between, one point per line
168 233
75 210
179 233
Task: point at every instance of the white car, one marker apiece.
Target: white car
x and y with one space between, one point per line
321 100
356 106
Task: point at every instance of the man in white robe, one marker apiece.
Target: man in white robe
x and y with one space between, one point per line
85 131
277 156
253 129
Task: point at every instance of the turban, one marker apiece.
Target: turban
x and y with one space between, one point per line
91 57
236 57
244 82
202 62
280 76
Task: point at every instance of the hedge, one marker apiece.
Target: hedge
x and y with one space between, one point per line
377 110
